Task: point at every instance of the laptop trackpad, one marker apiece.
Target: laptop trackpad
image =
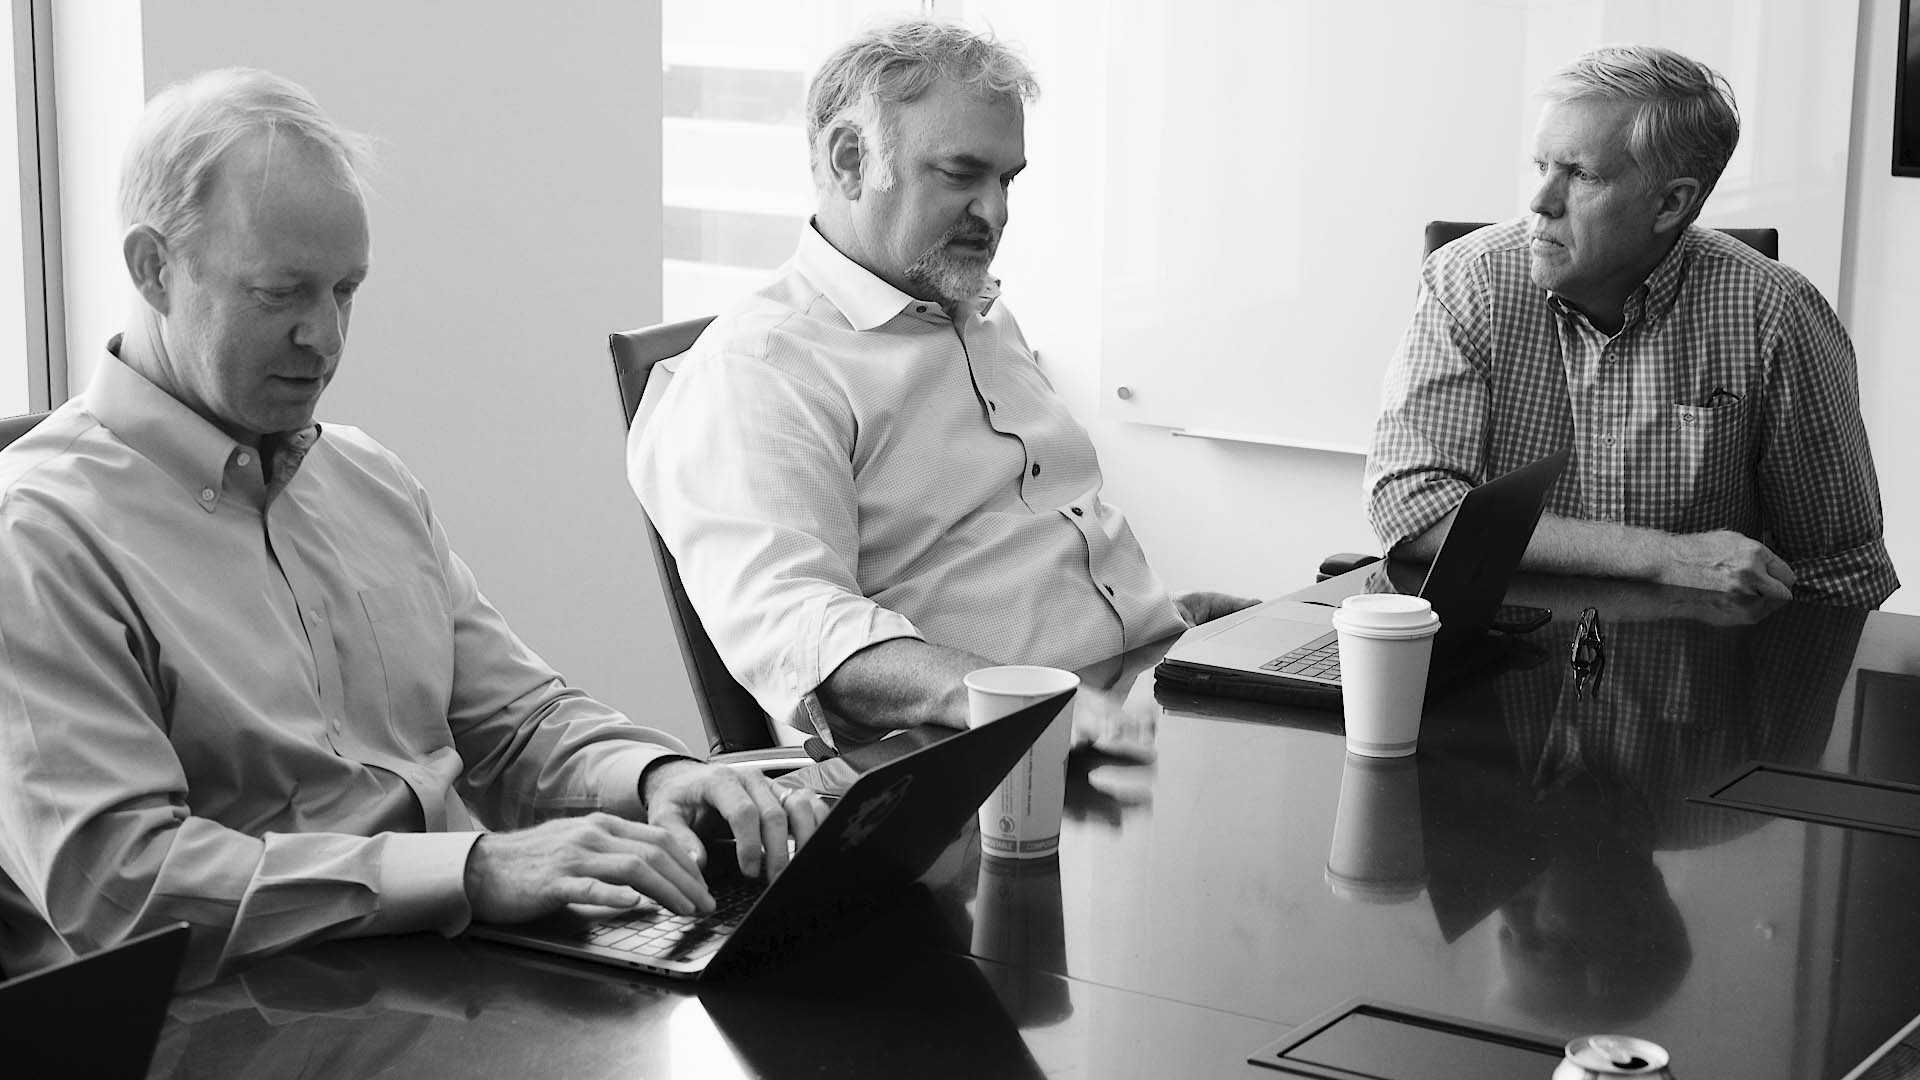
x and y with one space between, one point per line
1258 635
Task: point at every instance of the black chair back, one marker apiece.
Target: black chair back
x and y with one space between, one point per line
13 427
1441 233
734 720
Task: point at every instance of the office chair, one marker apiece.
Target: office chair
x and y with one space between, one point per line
13 427
1441 233
739 732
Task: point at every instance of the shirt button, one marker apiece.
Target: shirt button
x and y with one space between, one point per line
1036 468
1109 590
1686 418
994 405
315 617
206 494
1077 512
244 459
922 309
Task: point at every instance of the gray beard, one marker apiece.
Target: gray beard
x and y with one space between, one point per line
942 276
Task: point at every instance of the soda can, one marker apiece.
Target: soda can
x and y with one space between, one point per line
1596 1057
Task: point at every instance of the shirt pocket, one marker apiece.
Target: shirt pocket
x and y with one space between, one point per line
1706 468
413 631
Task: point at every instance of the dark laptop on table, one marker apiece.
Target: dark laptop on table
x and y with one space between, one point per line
1285 650
883 833
96 1016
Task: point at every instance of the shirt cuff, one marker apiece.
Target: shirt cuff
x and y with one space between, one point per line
619 778
640 783
423 882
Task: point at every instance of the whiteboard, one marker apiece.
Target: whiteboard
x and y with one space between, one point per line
1271 165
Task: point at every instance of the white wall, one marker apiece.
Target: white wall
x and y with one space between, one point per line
516 221
1880 279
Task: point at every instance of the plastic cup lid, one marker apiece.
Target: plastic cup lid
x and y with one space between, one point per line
1387 611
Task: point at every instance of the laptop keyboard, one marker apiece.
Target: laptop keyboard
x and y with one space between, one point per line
1317 659
660 934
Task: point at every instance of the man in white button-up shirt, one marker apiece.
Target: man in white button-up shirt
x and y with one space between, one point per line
868 484
246 681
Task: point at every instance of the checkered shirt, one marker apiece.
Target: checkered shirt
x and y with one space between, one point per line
1728 400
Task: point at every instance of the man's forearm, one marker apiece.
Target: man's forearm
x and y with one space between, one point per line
899 683
1720 560
1562 545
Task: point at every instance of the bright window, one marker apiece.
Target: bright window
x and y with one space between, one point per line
734 182
16 352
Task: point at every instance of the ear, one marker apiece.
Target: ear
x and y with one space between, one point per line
1679 203
151 265
844 155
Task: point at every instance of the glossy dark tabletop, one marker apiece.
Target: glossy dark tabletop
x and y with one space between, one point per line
1537 866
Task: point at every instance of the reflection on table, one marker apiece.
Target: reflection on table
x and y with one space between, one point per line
1536 866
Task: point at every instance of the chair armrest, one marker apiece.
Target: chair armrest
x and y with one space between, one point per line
769 761
1335 565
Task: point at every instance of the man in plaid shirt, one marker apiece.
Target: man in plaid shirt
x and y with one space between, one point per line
1708 392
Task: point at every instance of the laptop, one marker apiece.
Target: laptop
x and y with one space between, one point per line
1286 650
882 834
98 1015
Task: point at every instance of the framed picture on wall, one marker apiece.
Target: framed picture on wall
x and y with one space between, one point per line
1906 97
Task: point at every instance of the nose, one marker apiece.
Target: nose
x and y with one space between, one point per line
1548 198
324 329
991 206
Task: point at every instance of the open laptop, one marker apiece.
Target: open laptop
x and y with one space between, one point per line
883 833
95 1016
1286 650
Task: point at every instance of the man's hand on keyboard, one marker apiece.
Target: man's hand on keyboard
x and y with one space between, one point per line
761 815
598 859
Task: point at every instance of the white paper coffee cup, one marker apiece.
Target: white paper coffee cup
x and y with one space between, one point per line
1386 644
1021 819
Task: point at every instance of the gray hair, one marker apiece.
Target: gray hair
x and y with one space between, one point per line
169 168
1686 124
896 63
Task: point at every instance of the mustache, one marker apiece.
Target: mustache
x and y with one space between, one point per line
970 227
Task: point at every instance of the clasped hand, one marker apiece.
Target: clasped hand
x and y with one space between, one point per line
607 860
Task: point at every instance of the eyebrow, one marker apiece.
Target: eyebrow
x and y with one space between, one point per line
975 163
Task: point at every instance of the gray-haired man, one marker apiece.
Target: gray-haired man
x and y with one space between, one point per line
248 684
1708 393
870 487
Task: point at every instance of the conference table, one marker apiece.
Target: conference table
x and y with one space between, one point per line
1544 865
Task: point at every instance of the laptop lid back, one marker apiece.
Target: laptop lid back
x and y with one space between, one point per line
1491 529
98 1015
884 832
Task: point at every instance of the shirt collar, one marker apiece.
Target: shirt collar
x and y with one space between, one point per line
197 455
858 293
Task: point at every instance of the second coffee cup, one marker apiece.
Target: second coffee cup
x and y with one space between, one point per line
1386 645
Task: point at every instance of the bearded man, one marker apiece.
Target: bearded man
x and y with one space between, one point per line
869 486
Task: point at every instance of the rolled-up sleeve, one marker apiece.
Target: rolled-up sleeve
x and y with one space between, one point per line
1429 443
1819 495
746 469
